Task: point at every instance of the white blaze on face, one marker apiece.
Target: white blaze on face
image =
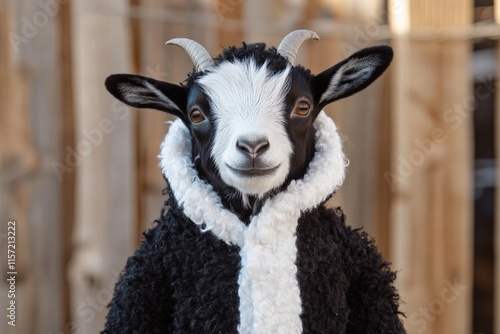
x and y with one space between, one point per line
248 102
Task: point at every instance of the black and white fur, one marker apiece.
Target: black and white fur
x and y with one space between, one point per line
251 153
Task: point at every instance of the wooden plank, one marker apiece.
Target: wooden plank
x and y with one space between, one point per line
105 230
32 118
270 21
44 106
228 10
156 61
431 211
18 160
67 140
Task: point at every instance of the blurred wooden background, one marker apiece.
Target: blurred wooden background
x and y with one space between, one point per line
78 170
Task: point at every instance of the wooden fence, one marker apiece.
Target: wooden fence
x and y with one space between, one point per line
78 170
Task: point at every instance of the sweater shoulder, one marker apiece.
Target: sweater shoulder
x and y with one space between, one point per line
331 222
329 225
172 221
334 221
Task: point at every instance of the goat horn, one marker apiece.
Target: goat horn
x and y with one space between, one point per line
199 55
292 42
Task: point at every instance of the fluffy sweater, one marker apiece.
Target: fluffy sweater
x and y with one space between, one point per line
295 268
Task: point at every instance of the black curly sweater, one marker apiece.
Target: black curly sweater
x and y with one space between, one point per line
184 281
295 267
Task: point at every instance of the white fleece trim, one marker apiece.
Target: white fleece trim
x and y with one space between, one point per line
268 287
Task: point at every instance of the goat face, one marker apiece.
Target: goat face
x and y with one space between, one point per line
251 147
251 113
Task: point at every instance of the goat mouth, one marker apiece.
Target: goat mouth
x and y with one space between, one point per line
251 172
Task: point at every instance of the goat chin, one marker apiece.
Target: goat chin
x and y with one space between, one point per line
258 184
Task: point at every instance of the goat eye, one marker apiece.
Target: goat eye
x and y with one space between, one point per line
196 116
302 108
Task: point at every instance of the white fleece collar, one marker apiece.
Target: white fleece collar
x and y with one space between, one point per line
268 288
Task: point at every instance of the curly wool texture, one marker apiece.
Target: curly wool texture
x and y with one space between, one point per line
182 280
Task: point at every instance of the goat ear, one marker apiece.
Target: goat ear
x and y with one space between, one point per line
351 75
141 92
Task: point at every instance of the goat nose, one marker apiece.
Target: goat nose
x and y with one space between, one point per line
253 147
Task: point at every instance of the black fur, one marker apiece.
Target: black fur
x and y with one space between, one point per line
184 281
320 82
257 51
177 94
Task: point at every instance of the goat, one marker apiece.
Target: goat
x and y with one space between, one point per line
249 164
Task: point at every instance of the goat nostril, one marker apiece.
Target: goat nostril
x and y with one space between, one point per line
253 146
262 146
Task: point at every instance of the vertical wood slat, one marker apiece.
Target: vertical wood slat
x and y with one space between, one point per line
42 59
158 61
254 14
224 11
269 21
33 143
105 233
18 160
67 139
431 211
